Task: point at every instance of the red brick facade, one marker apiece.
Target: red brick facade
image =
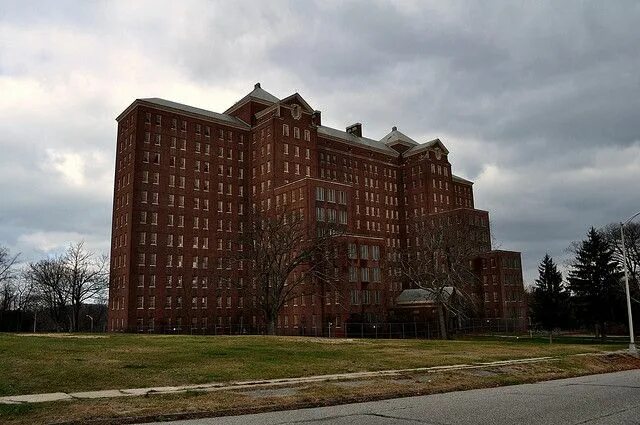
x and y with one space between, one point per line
186 179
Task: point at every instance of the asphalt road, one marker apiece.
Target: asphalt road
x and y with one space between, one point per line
612 398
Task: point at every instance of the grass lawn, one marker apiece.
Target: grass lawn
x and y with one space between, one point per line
42 364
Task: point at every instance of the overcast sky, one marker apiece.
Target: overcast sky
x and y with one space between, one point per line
539 103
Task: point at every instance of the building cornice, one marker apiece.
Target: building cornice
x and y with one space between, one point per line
140 102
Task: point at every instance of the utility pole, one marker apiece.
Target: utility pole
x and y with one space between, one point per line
632 343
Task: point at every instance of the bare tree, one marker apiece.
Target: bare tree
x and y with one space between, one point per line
8 290
87 278
49 280
287 259
438 259
7 277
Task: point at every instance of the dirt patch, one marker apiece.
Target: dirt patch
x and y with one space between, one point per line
270 392
319 340
65 335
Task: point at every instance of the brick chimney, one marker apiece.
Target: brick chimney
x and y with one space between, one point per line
316 118
355 129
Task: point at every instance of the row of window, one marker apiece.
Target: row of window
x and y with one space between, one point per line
181 144
202 282
296 169
365 250
330 215
197 262
296 133
365 297
367 274
330 159
197 127
296 151
176 302
331 195
152 217
510 296
154 199
292 195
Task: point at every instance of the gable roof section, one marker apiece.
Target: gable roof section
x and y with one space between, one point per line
257 94
396 137
168 104
432 144
355 140
300 100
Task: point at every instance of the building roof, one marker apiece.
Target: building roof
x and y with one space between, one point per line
258 93
193 110
421 296
435 143
263 96
168 104
348 137
459 179
397 136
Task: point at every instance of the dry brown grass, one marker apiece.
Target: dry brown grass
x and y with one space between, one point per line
59 363
195 404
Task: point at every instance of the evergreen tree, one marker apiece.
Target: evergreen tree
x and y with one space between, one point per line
550 303
595 282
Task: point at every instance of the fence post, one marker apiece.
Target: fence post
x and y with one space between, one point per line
361 330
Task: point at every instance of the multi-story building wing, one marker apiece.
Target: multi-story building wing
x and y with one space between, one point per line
187 178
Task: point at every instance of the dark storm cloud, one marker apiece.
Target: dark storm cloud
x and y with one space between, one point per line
538 102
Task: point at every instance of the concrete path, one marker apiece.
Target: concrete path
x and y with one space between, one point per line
60 396
612 398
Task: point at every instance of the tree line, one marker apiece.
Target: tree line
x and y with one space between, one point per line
592 296
59 293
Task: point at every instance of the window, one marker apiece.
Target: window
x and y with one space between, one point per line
285 130
375 271
364 252
307 135
353 274
296 132
375 252
342 197
343 217
365 274
319 194
352 251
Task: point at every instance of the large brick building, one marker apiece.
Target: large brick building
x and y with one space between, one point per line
186 179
